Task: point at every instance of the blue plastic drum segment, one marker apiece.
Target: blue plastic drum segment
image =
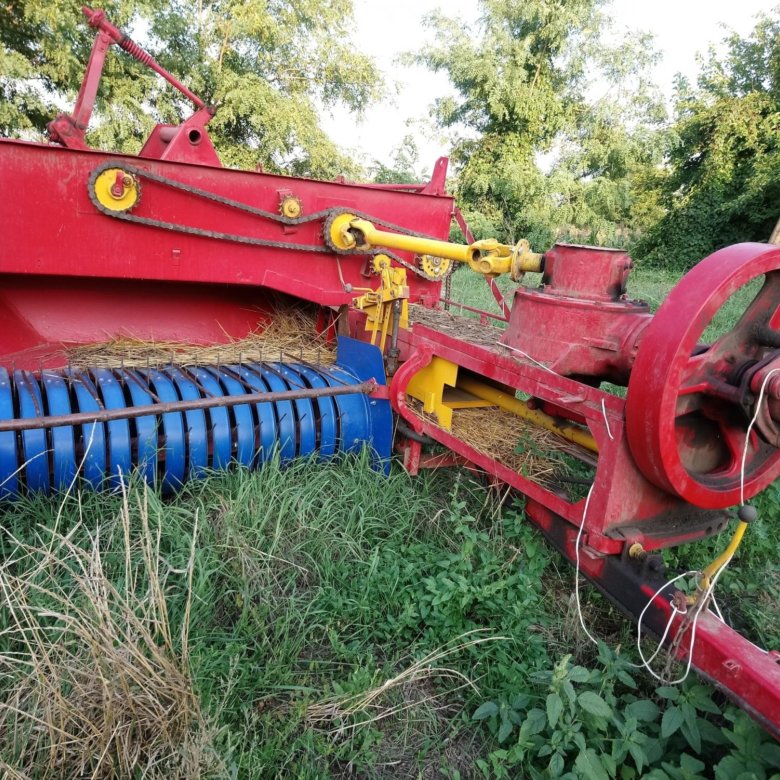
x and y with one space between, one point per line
244 434
9 485
324 409
62 442
219 420
173 431
176 445
120 462
304 411
92 456
35 451
195 423
285 416
145 445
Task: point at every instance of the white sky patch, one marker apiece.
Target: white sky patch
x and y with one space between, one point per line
384 31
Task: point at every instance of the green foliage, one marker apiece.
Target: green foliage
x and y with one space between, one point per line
607 164
44 47
266 65
723 181
596 723
319 584
517 85
403 168
521 87
316 582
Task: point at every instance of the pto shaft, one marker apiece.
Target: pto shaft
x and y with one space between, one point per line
347 231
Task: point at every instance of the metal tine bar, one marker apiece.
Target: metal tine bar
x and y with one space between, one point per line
195 381
146 386
91 387
25 375
107 415
329 372
280 374
237 376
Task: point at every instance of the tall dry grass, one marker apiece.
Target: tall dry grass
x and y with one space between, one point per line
96 682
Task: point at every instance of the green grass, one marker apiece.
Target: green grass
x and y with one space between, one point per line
341 623
330 622
320 582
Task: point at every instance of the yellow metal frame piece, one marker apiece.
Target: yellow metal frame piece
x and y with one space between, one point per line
442 391
436 386
379 304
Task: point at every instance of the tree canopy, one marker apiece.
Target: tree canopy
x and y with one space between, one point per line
522 85
722 183
270 67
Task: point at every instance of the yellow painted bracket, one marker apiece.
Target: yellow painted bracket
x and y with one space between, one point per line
435 386
379 304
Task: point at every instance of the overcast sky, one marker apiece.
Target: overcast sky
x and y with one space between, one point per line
384 30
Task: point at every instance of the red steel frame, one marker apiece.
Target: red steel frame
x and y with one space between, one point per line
748 674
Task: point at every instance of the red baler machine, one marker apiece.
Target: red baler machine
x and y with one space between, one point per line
169 246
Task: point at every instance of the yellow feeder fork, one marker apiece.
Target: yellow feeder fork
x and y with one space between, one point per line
347 231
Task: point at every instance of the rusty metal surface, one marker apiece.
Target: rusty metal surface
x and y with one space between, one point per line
107 415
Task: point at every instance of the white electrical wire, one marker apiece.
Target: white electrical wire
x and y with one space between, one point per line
698 607
747 436
606 419
717 609
647 661
577 568
707 595
709 592
527 357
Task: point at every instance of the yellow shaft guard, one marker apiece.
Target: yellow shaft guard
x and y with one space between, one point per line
488 257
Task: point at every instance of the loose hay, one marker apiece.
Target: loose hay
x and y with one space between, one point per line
521 446
290 336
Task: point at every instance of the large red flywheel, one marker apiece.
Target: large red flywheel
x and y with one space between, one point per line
689 403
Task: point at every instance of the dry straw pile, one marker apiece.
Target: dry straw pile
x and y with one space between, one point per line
290 336
521 446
